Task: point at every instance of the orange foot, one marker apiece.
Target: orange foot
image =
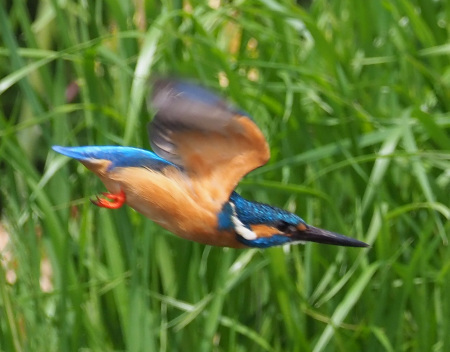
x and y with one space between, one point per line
117 200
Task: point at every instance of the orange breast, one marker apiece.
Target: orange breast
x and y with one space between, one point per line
170 199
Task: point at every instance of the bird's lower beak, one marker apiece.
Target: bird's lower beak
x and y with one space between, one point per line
314 234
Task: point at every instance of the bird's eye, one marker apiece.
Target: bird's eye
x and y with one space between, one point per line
285 227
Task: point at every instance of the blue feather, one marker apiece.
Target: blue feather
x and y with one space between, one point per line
224 217
251 213
119 156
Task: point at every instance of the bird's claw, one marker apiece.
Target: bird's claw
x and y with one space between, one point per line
111 200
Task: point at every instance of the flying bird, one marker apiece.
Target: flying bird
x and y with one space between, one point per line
202 147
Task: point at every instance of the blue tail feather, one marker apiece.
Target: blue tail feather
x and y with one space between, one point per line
119 156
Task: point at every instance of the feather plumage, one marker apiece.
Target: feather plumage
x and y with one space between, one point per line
214 142
203 147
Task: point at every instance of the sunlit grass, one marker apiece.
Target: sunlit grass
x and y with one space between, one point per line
353 97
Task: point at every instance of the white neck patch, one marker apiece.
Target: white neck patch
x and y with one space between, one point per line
239 227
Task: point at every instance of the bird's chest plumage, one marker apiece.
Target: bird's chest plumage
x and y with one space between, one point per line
173 201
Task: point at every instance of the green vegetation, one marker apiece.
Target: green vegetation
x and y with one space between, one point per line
354 98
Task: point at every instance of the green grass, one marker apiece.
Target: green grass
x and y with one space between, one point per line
353 97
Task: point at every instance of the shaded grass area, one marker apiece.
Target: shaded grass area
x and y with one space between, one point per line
353 97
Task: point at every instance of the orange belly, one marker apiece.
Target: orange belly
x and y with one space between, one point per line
171 200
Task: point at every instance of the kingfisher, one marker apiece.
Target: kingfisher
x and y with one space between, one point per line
202 147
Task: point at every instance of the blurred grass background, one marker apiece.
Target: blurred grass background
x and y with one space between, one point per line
354 99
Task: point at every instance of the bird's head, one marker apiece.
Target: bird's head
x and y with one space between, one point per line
261 225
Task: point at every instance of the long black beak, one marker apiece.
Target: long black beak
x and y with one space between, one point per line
314 234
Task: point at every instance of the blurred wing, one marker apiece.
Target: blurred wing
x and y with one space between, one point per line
215 143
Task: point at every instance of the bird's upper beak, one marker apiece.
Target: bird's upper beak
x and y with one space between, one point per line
314 234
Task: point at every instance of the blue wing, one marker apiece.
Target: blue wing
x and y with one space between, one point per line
118 156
